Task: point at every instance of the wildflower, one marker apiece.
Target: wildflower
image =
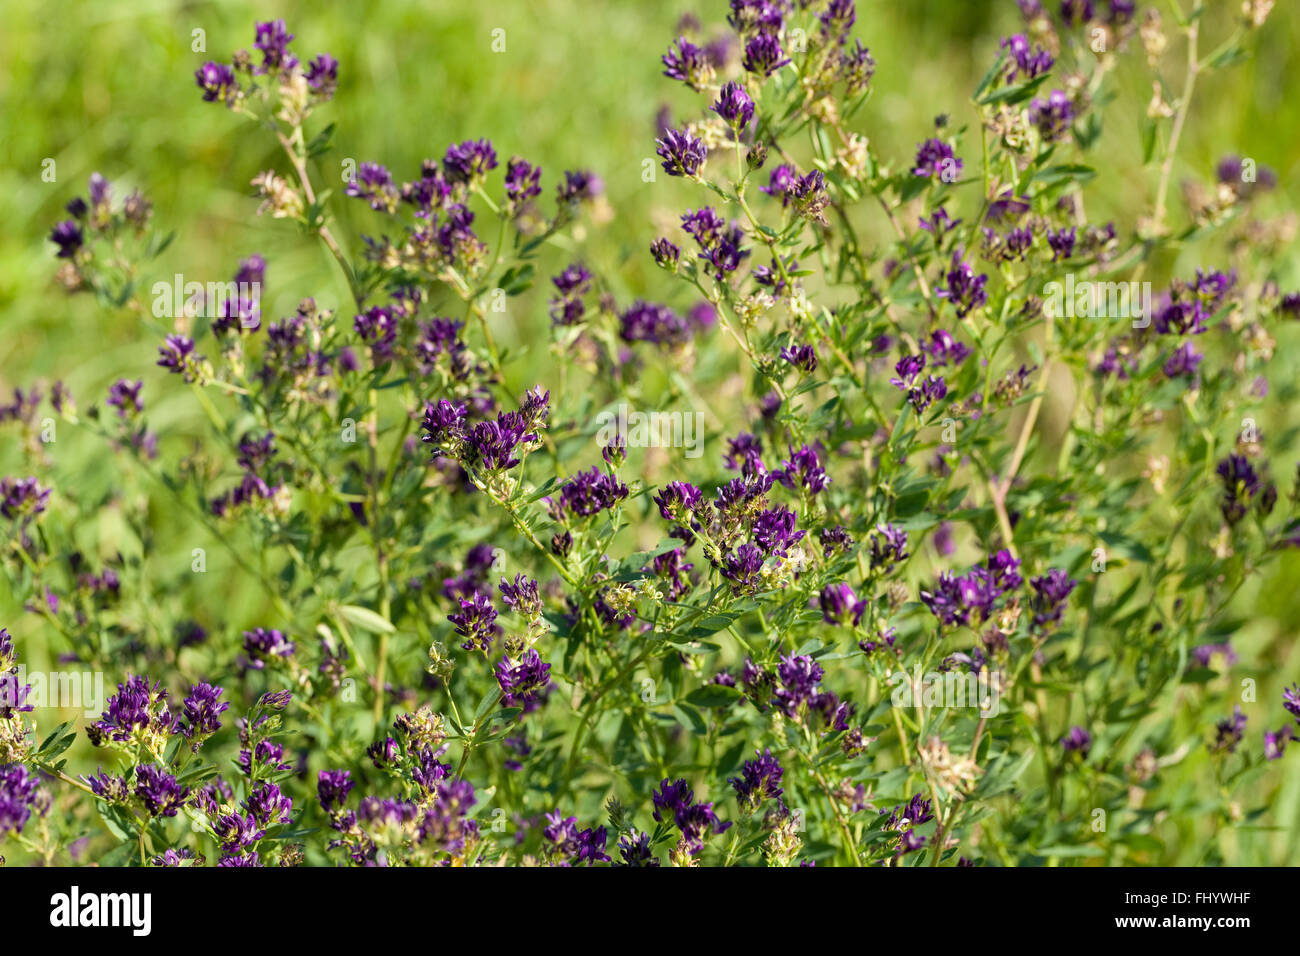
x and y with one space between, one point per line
935 159
1052 116
734 106
476 622
1026 62
590 492
125 397
17 794
965 290
803 469
374 184
888 547
840 605
469 162
523 182
682 153
759 780
763 54
1228 733
203 708
1050 594
1077 741
162 795
217 80
522 680
678 501
322 75
688 64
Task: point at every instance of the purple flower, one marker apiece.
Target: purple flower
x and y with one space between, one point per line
634 850
907 369
266 646
1061 242
268 805
1291 701
759 780
203 709
744 454
159 790
377 327
476 622
927 393
682 153
22 498
1052 116
734 105
523 597
1228 733
217 81
1050 594
1076 12
572 284
572 845
1077 740
1181 318
523 680
802 357
837 19
1026 62
68 237
779 182
374 184
523 181
774 531
688 64
579 186
743 567
803 469
944 349
651 322
798 679
178 356
135 705
1275 743
1241 485
322 75
888 547
590 492
469 161
1183 362
666 254
125 397
17 794
675 801
936 159
273 40
965 290
763 54
678 501
840 605
1204 654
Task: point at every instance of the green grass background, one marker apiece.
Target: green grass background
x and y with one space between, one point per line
108 86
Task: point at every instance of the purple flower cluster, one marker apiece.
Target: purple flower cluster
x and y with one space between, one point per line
957 600
675 801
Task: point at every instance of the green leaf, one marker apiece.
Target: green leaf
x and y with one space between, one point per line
713 695
320 143
366 619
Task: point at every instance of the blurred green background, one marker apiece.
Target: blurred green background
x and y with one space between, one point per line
108 86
